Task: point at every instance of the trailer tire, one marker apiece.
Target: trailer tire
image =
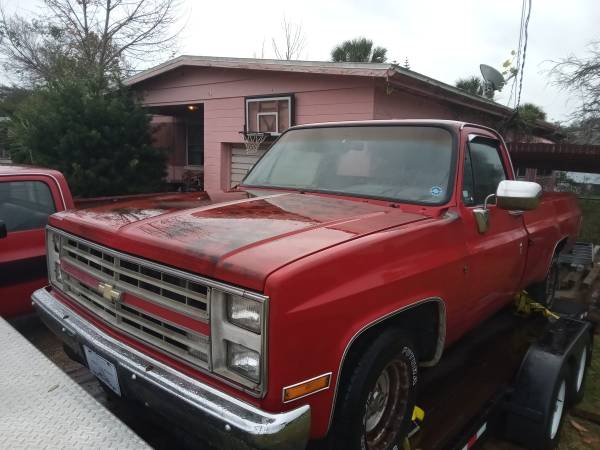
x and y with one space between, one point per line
545 291
579 372
378 396
555 415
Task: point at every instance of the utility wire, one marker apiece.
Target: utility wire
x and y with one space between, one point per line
524 54
519 52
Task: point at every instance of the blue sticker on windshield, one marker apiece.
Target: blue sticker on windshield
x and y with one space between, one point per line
436 191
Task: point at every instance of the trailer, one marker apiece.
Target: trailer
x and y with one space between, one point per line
511 379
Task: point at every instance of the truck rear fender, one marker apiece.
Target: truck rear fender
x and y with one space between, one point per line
425 320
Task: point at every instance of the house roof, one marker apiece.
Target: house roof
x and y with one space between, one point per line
393 74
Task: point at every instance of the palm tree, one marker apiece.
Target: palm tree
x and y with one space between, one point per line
471 85
474 86
358 50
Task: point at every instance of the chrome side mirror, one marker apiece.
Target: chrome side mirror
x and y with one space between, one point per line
518 195
511 195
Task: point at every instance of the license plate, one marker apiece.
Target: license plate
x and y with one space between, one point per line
103 369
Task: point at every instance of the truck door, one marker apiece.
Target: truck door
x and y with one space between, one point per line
496 258
25 204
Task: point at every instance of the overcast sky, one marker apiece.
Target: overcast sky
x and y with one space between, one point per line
443 39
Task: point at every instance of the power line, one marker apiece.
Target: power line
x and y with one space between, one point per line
524 54
519 51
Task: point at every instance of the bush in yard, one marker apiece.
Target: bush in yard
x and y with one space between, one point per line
99 138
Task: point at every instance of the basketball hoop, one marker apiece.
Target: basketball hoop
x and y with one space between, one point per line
253 141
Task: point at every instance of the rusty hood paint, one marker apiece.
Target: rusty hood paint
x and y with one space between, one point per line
240 240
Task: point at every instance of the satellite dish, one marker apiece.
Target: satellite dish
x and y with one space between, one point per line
492 77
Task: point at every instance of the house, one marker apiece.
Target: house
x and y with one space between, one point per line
202 105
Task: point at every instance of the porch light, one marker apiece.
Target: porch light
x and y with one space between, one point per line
192 107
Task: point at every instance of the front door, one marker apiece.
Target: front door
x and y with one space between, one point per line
496 258
25 205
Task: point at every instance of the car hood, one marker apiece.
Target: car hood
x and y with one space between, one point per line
239 239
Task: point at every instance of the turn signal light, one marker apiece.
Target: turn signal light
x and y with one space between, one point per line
306 387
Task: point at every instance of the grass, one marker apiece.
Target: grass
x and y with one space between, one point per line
590 229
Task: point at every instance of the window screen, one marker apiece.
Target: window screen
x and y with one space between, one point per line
483 171
25 205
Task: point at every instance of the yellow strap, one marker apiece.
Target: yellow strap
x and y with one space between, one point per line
418 414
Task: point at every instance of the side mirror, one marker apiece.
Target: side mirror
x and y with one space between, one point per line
518 195
511 195
3 230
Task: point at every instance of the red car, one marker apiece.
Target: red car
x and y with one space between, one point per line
28 195
354 254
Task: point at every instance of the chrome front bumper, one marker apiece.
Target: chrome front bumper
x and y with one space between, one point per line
222 420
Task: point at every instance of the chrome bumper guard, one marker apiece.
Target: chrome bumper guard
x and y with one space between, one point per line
224 421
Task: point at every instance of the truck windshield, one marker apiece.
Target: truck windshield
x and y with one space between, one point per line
409 164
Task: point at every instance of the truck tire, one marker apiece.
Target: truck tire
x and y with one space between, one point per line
378 396
579 372
545 291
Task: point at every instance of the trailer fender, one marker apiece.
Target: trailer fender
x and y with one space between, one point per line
546 364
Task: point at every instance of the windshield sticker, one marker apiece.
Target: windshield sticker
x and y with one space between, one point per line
436 191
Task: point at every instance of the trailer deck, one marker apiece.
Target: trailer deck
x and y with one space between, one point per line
42 407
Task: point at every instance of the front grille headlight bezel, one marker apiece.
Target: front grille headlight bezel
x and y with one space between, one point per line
227 333
53 248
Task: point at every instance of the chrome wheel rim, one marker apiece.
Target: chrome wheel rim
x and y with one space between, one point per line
581 368
559 406
377 401
386 405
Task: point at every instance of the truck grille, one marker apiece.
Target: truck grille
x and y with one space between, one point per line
157 285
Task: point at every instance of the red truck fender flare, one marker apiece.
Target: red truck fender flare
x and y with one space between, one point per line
441 339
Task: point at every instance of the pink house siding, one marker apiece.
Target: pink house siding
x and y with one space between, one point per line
215 88
222 93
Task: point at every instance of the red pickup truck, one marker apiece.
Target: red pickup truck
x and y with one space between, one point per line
304 306
28 195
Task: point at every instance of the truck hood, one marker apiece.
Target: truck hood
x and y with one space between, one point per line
240 241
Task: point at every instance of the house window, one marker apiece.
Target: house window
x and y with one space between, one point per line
272 114
195 143
521 171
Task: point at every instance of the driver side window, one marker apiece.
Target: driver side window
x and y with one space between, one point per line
482 172
25 205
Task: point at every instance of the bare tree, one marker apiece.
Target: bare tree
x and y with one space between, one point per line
293 43
106 36
581 76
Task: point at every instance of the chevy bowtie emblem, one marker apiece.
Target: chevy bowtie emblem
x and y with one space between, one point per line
108 292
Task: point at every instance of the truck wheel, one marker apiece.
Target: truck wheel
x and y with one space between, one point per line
378 396
544 291
579 372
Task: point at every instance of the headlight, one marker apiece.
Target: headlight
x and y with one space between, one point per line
244 313
244 361
53 246
239 338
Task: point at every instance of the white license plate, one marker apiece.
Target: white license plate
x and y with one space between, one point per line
103 369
